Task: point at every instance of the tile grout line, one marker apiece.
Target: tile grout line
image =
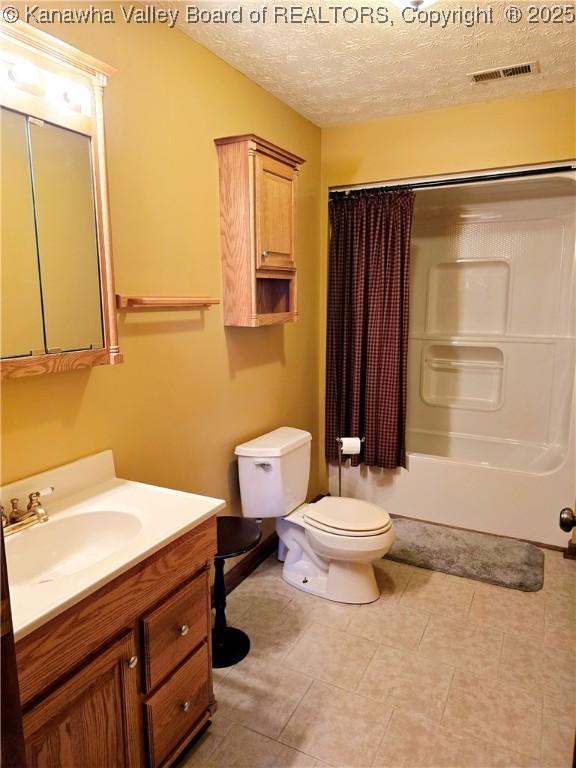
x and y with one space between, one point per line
300 700
541 755
424 631
500 654
210 753
469 609
453 676
364 673
405 587
365 670
386 729
247 727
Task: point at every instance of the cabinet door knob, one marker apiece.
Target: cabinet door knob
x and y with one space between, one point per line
184 629
264 254
185 706
132 662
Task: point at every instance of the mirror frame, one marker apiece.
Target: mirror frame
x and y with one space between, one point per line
54 56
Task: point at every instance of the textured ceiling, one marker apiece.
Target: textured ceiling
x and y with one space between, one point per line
337 73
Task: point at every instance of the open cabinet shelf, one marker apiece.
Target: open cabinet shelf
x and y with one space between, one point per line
257 202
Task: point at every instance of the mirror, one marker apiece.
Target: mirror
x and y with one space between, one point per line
21 324
57 299
49 244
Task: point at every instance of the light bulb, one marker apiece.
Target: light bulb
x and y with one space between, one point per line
77 97
24 74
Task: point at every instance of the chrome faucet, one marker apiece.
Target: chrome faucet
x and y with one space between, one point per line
17 519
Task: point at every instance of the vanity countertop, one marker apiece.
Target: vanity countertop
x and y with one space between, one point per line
99 527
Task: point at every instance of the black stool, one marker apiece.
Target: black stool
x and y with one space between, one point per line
236 535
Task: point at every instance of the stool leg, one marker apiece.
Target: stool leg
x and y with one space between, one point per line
219 595
229 645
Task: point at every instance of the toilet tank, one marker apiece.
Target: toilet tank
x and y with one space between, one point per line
274 470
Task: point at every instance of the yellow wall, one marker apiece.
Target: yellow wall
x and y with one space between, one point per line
536 128
189 389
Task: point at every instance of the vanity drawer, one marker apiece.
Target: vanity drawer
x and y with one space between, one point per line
175 628
175 708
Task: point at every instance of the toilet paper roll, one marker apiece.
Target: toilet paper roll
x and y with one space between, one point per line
351 446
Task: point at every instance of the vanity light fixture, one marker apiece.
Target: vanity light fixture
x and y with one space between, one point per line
59 91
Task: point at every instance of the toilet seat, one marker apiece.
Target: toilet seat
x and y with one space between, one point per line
347 517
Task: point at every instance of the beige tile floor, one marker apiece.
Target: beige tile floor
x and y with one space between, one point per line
441 672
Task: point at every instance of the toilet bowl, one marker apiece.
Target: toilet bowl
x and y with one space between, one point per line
327 547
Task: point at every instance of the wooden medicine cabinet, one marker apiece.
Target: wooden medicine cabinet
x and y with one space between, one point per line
257 226
58 308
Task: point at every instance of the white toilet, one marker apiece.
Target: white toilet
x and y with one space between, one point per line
327 547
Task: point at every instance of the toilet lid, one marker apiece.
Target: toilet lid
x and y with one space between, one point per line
347 517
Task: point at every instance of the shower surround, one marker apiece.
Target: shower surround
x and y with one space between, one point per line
490 432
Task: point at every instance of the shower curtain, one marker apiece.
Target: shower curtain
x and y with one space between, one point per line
367 343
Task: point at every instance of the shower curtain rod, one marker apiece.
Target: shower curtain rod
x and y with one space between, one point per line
453 180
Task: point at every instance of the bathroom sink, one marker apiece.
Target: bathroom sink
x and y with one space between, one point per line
65 546
99 527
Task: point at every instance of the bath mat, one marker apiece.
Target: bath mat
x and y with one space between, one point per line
479 556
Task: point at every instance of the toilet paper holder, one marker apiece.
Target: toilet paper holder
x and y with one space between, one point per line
339 440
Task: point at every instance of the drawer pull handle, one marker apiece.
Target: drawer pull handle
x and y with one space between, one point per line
184 629
185 706
132 662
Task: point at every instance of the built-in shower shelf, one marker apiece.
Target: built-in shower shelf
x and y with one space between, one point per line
462 376
494 338
439 364
471 403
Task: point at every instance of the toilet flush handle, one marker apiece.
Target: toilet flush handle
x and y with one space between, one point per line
265 465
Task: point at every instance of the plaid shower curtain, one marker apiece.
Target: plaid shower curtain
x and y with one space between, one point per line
367 344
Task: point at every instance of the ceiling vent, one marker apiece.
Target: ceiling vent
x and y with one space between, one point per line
504 73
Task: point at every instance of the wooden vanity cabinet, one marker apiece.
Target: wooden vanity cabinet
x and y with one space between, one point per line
91 719
257 227
124 678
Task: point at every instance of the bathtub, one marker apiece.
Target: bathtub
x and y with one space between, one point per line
487 451
468 491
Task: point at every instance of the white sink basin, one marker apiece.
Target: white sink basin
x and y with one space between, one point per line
99 527
62 547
